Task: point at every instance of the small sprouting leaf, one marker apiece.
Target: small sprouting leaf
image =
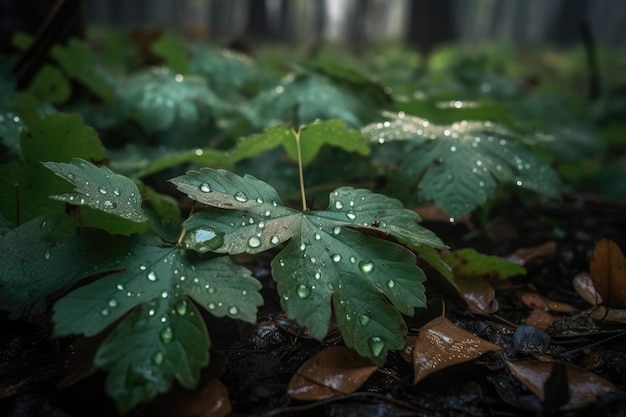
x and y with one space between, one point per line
458 165
312 137
100 188
165 338
368 281
470 263
608 272
441 344
333 372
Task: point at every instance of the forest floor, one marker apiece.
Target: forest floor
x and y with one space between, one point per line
42 376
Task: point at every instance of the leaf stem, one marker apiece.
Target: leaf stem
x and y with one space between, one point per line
300 172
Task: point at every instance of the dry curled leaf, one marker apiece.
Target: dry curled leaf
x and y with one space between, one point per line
335 371
608 273
441 344
584 386
584 287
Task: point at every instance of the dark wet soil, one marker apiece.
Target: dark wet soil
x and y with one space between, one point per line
256 362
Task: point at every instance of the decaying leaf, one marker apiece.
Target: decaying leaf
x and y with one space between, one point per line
534 300
523 256
335 371
441 344
584 287
584 386
478 294
211 400
608 272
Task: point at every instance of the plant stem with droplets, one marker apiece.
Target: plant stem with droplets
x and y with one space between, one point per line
300 172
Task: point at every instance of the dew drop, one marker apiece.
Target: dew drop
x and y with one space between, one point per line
102 189
254 242
157 358
142 267
452 148
302 246
109 204
211 306
366 267
391 283
351 214
105 312
233 310
47 254
318 275
364 319
338 205
152 276
352 260
377 345
318 236
117 192
274 240
164 294
181 307
336 257
167 334
518 183
120 287
303 291
212 290
112 303
241 197
205 188
337 230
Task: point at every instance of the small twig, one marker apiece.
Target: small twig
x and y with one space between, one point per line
300 170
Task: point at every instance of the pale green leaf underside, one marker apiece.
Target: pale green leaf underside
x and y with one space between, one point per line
323 258
99 188
457 166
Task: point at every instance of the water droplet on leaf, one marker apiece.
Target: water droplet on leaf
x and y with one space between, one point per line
112 303
377 345
167 334
366 267
338 205
241 197
303 291
105 312
254 242
117 192
351 214
391 283
233 310
336 257
205 188
47 254
274 240
181 307
364 319
102 189
152 276
157 358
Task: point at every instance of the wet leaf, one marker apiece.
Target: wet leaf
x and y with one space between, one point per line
441 344
368 281
225 70
537 301
100 188
210 400
333 372
524 256
608 272
479 295
161 335
584 386
458 165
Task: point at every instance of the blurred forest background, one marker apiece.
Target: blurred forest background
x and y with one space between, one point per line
423 24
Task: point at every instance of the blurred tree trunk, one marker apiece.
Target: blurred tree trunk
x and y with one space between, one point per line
357 27
430 24
257 25
566 27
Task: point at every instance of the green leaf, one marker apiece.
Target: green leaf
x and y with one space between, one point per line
457 166
99 188
81 63
172 159
144 355
254 145
35 265
306 98
171 49
323 258
163 337
50 85
225 70
60 137
470 263
158 99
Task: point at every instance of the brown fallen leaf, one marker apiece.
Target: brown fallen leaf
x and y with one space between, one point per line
584 287
608 273
523 256
441 344
584 386
479 295
335 371
540 319
538 301
211 400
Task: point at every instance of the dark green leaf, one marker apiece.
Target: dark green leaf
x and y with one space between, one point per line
100 188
